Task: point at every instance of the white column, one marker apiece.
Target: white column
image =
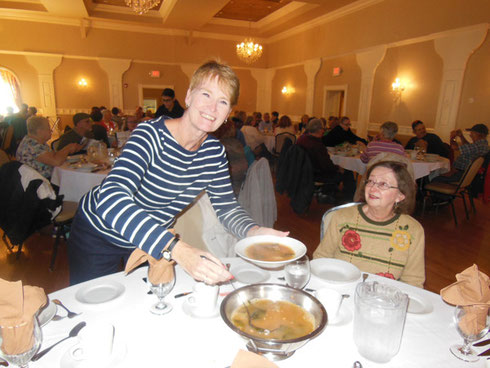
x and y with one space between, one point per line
368 61
311 69
189 69
264 88
45 65
454 50
115 69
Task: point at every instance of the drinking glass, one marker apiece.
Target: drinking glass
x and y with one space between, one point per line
161 290
20 360
297 273
472 323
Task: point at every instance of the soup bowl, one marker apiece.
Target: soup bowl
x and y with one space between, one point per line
274 349
298 247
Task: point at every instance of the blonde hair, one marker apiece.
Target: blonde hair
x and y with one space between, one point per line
227 78
34 123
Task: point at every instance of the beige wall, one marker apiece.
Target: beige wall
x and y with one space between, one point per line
420 68
351 76
248 91
294 104
27 75
475 97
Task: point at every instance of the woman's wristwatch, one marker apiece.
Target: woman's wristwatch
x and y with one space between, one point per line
167 252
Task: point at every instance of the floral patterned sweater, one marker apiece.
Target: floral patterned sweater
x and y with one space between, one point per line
394 248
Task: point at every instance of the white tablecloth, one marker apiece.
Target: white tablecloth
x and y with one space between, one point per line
75 183
179 340
420 168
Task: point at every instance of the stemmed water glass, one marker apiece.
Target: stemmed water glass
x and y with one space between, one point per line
297 273
472 323
10 332
160 290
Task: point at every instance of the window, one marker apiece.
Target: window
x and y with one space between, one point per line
9 92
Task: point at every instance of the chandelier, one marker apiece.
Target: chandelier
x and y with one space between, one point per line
249 51
142 6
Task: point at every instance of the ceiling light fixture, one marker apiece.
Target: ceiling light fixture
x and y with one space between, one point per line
141 6
249 51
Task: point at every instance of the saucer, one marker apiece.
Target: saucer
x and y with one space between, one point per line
190 311
344 316
117 357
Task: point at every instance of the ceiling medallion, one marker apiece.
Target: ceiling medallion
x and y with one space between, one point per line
141 6
249 51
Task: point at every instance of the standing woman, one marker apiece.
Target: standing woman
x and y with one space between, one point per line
164 166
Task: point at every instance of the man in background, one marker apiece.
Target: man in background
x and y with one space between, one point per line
170 106
266 124
81 128
429 142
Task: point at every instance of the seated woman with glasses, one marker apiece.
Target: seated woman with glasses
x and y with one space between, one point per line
379 236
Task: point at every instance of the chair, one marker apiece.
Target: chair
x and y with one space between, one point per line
328 215
61 224
7 136
55 144
280 139
454 190
4 158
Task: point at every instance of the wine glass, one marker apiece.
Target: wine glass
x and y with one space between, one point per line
9 334
472 323
160 290
297 273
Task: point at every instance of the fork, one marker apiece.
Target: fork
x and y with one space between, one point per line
70 313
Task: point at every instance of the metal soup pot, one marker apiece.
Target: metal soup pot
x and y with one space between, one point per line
274 349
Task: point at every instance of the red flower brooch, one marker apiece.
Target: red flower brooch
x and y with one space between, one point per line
386 274
351 240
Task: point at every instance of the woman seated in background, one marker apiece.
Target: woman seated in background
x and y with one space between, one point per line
379 236
36 153
285 126
383 142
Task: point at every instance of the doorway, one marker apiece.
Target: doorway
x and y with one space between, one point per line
335 98
149 96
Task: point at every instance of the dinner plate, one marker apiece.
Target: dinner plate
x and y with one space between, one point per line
46 313
84 167
249 274
419 304
343 317
73 158
96 294
298 248
334 270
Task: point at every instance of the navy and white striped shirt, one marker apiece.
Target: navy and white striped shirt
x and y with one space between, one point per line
153 180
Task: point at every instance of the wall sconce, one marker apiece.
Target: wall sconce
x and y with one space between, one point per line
398 87
82 83
288 90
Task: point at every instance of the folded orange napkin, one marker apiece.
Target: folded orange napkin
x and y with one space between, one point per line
161 271
18 305
472 292
247 359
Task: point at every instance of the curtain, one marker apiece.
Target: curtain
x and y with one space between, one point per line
11 80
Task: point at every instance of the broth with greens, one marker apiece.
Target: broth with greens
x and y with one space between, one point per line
270 252
284 320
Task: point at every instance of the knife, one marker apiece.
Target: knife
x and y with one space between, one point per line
482 343
485 353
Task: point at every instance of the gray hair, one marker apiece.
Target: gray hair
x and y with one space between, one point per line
34 123
389 130
314 125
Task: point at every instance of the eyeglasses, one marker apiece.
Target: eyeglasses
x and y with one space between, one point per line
167 99
380 185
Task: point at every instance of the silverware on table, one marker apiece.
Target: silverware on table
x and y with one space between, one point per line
57 317
485 353
364 277
182 294
482 343
74 332
3 363
145 280
70 313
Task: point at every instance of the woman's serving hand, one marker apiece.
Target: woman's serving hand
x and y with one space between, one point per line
259 230
201 265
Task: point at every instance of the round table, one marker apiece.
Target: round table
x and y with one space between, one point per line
74 183
179 340
420 168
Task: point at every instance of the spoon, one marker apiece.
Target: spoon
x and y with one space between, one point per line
4 363
74 332
70 313
364 276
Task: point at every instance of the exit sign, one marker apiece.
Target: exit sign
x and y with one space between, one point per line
155 74
336 71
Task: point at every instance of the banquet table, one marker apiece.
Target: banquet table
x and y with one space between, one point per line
177 339
420 168
74 183
270 141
